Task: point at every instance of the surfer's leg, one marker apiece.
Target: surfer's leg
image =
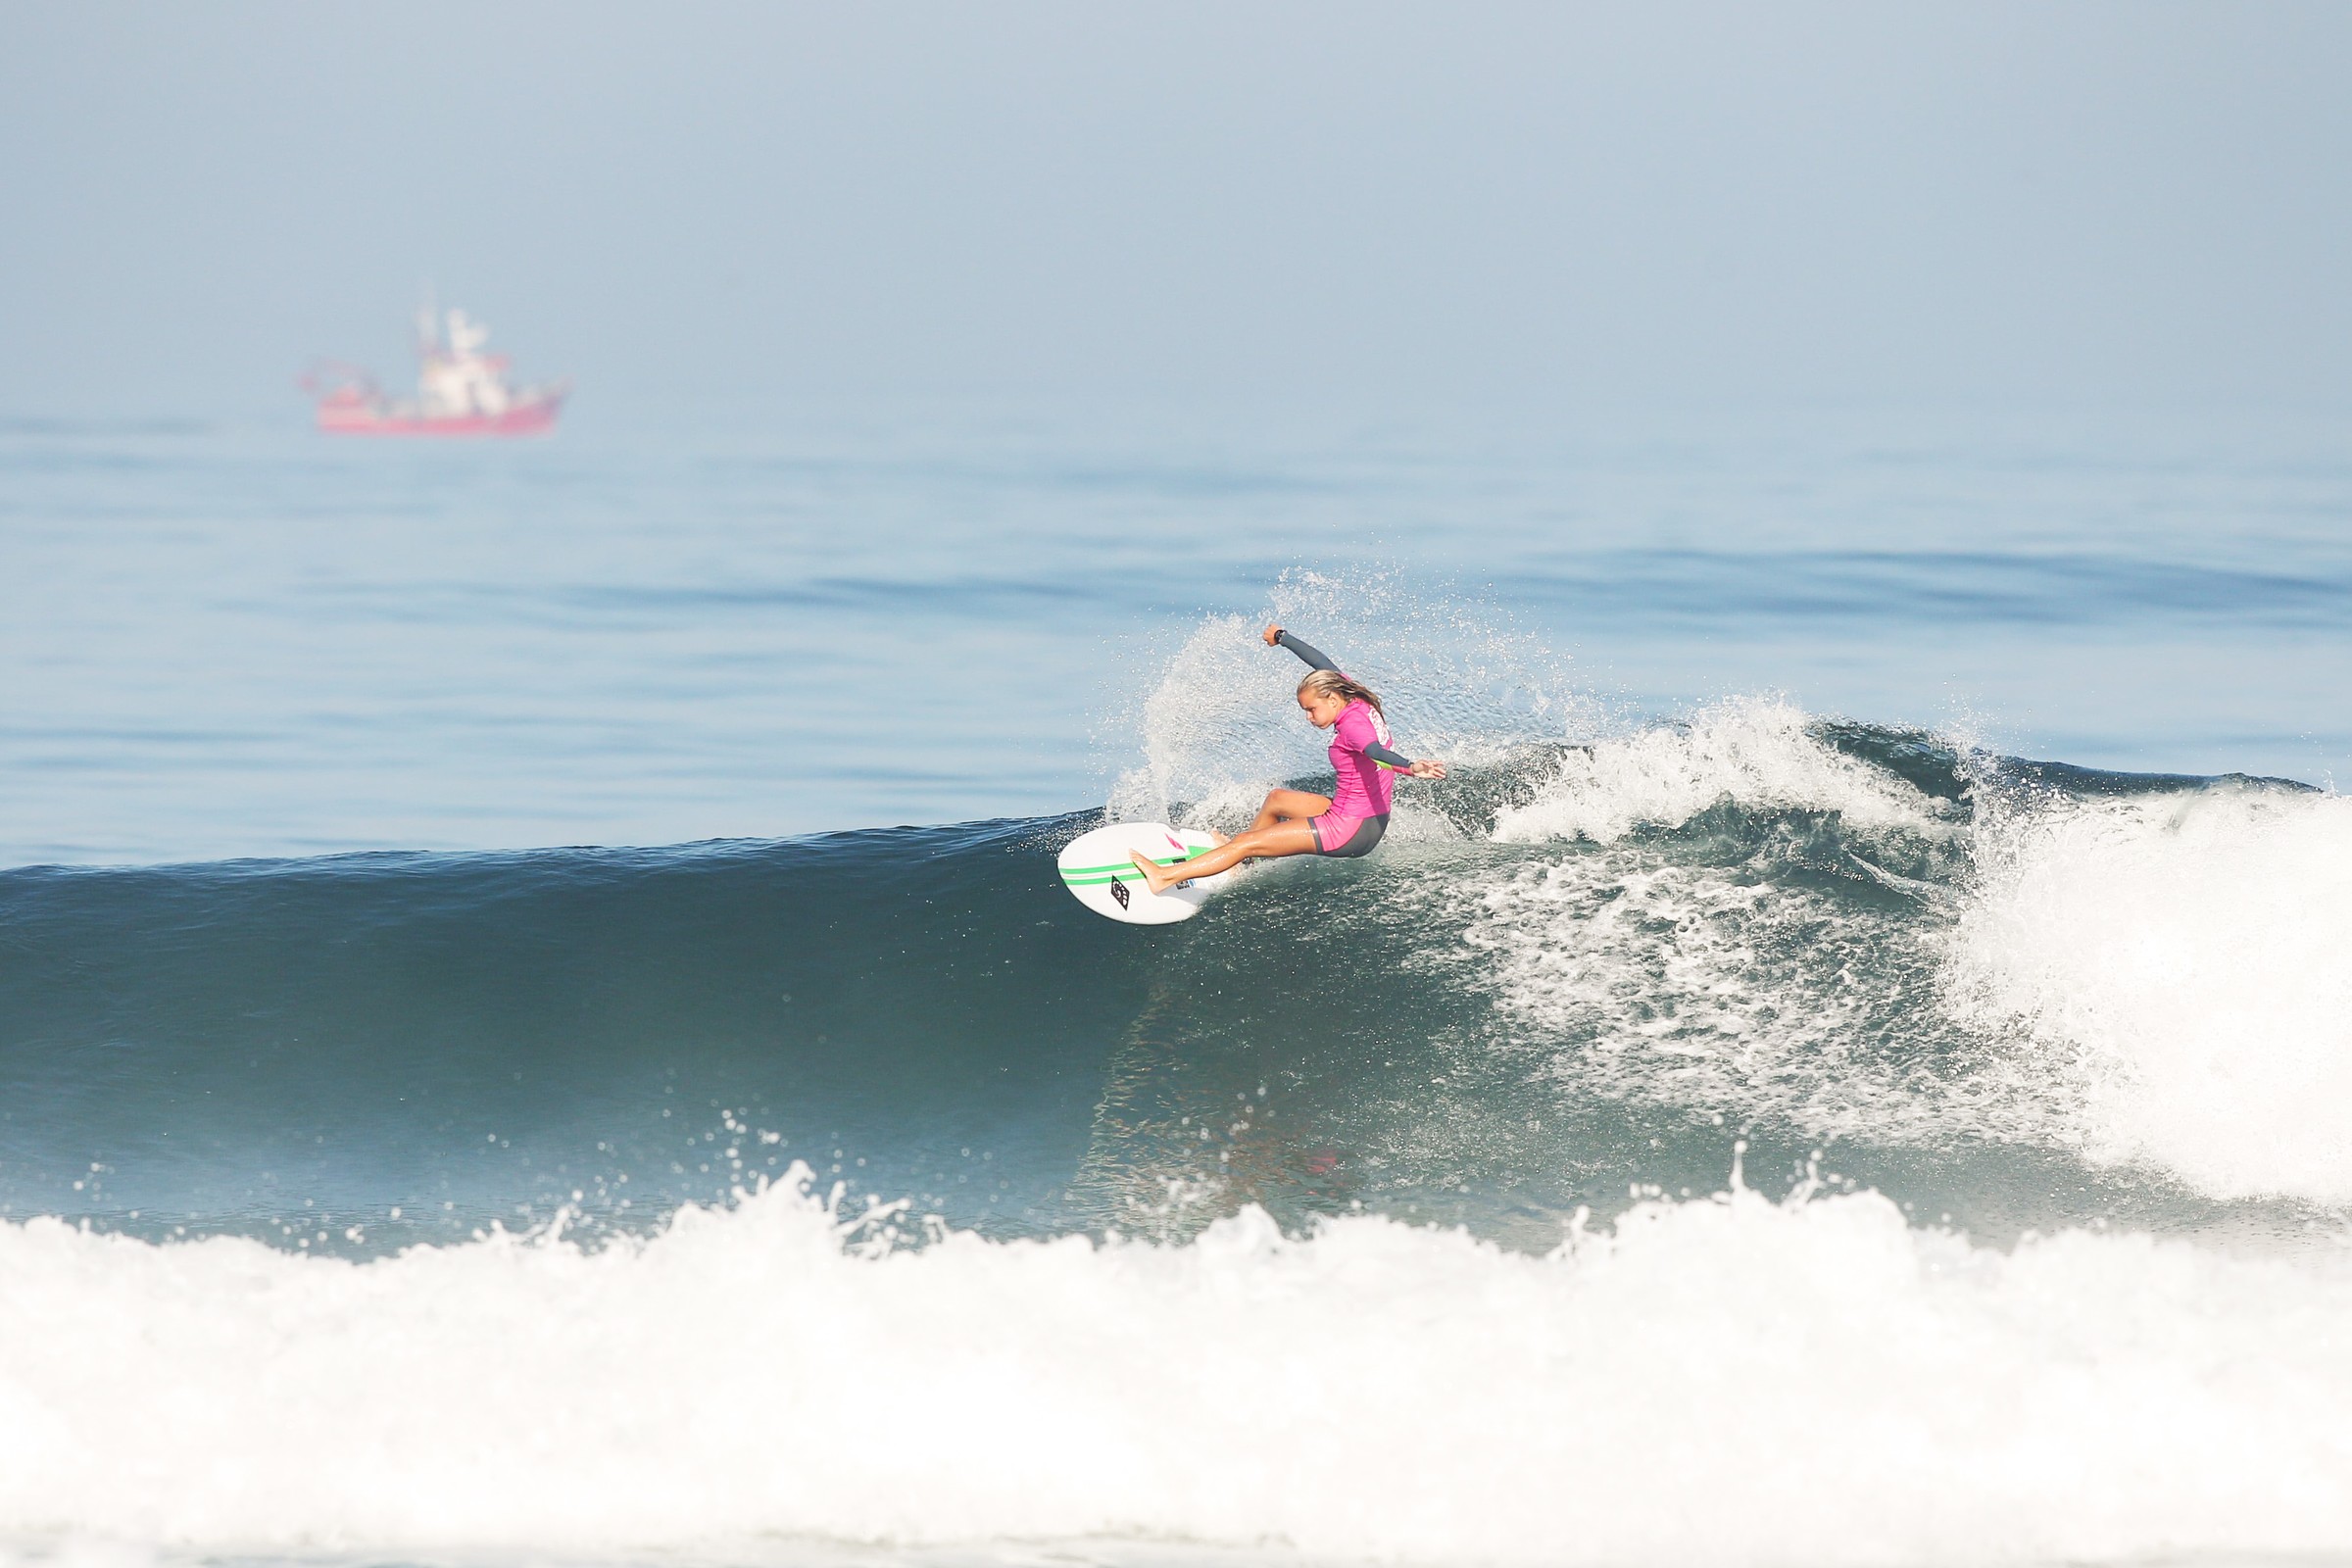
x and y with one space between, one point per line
1258 844
1289 805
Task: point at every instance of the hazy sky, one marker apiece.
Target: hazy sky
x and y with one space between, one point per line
1973 203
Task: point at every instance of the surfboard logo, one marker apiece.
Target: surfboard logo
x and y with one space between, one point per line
1118 891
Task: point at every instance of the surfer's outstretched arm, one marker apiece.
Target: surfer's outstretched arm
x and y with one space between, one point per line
1276 637
1389 758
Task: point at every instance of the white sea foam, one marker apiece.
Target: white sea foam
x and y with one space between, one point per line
2182 961
1726 1381
1731 988
1758 753
1759 999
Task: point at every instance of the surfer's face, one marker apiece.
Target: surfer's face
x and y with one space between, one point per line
1323 708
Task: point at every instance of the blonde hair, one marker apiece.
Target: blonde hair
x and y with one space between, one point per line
1331 683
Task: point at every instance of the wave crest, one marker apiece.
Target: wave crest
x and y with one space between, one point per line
1761 755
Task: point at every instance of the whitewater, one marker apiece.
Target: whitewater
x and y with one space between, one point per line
1813 1381
1728 1123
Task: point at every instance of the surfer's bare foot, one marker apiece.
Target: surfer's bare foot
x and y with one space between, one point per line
1155 876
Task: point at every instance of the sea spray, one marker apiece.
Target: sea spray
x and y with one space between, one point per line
1219 723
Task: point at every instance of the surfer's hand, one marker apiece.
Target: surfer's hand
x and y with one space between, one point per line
1270 634
1428 770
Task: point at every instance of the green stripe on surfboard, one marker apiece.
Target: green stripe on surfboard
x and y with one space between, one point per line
1088 876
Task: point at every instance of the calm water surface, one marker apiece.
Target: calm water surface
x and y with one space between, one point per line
251 640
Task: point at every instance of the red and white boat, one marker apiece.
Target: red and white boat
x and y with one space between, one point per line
460 390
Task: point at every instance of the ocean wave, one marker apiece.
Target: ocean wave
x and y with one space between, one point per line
1712 988
1577 964
1838 1385
1763 756
2180 960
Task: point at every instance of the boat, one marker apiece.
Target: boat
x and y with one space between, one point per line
461 391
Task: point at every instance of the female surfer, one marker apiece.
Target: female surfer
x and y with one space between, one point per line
1348 821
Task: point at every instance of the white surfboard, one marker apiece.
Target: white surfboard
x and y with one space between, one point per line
1096 869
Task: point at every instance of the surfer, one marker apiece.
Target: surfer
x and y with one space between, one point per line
1346 824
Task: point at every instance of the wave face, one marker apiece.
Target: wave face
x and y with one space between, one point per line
1384 1211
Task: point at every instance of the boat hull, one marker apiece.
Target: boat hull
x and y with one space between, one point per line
536 416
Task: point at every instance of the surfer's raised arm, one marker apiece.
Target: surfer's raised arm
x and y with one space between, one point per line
1276 637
